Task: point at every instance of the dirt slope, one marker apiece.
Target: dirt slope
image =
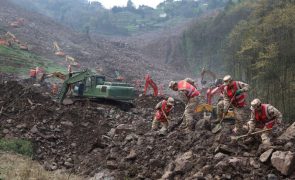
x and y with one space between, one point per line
40 32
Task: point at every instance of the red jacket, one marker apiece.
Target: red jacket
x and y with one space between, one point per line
159 114
191 91
263 118
239 100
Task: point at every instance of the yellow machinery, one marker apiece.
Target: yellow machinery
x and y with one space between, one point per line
58 50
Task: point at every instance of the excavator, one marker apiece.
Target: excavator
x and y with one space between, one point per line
10 40
58 50
72 61
88 85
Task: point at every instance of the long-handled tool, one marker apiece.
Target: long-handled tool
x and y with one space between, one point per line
218 127
165 115
246 135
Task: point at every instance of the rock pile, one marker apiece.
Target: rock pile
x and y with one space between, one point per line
104 141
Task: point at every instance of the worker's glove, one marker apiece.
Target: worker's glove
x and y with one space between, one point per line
239 91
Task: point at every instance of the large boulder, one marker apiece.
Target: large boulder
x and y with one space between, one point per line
289 134
283 161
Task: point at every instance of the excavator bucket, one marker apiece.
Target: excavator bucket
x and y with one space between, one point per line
204 108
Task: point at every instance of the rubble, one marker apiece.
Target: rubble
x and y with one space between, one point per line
283 161
91 141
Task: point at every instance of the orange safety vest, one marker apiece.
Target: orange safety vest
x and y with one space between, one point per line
159 114
263 117
238 101
191 91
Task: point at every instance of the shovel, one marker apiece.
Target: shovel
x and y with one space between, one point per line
218 127
246 135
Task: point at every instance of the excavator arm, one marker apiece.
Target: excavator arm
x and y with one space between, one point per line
75 77
54 74
206 71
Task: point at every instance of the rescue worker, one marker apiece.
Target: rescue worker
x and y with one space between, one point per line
54 89
162 107
263 116
234 95
188 94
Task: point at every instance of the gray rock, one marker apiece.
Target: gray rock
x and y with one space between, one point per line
5 131
132 155
288 134
254 163
9 121
34 129
21 126
67 123
272 177
265 156
183 162
123 128
112 164
219 156
104 174
283 161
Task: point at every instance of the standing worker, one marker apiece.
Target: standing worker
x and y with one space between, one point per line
163 110
188 94
263 116
234 95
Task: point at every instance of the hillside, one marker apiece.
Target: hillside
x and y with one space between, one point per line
39 32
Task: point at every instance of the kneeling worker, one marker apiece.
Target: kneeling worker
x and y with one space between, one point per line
163 109
263 116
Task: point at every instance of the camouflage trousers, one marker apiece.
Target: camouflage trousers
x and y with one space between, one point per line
156 124
265 137
240 115
189 113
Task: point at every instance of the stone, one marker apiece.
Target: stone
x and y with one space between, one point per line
272 177
288 134
9 121
34 129
289 145
111 133
5 131
21 126
283 161
112 164
123 128
266 155
183 162
254 163
132 155
104 174
219 156
67 123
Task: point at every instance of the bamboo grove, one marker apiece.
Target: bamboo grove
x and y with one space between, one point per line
254 41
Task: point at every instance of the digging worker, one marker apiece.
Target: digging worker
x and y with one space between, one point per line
188 94
234 95
163 110
263 116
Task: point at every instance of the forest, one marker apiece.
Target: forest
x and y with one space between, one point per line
252 40
93 17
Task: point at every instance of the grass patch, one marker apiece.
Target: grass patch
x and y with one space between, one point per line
18 167
13 60
19 146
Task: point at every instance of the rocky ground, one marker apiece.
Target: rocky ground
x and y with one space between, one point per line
103 141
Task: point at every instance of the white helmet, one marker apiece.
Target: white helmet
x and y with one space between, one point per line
227 79
171 84
170 101
255 104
